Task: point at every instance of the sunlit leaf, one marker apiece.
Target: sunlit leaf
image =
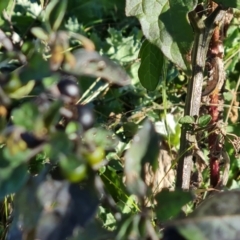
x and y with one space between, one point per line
23 90
114 185
163 23
39 33
203 121
124 49
187 120
3 5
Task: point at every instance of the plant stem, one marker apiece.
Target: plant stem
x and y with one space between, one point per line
203 33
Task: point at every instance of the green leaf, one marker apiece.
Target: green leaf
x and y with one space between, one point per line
125 227
136 225
51 116
91 63
229 3
55 12
163 23
36 69
220 204
27 205
95 231
203 121
22 23
73 168
152 63
12 179
26 116
3 5
144 148
107 218
23 90
72 128
217 217
171 203
114 185
40 33
130 128
58 143
187 120
123 49
14 154
211 228
101 137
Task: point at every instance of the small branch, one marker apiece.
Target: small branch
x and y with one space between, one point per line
203 33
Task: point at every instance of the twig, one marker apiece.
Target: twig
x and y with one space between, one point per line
203 33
